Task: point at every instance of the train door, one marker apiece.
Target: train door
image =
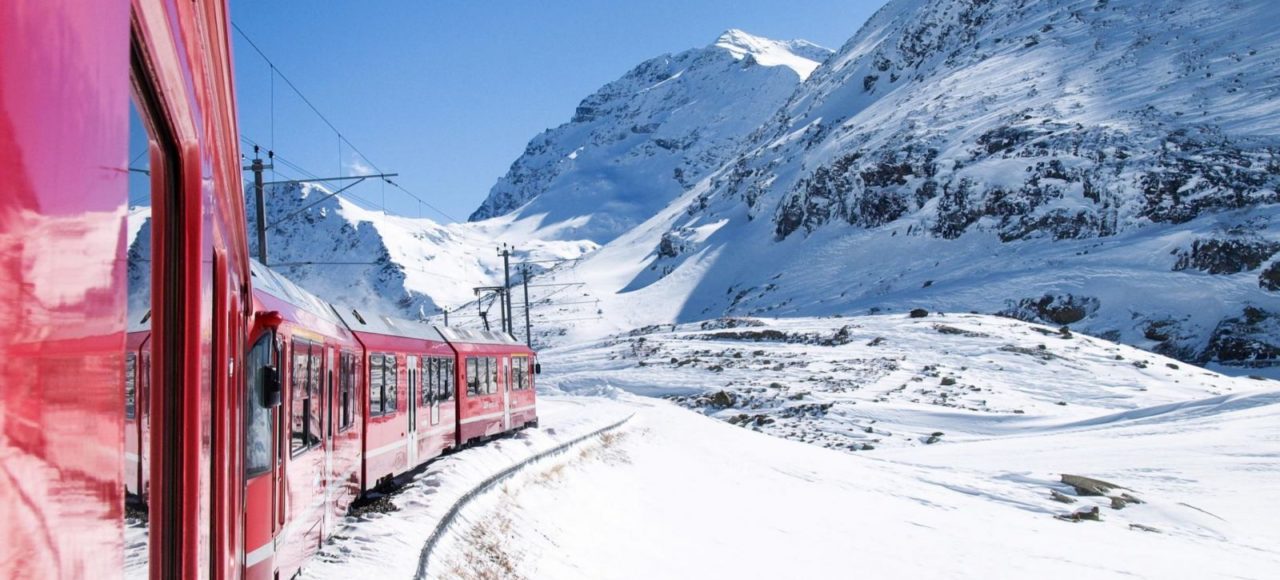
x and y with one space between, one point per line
504 383
261 465
412 410
327 475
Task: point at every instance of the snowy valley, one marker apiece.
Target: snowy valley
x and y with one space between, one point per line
962 470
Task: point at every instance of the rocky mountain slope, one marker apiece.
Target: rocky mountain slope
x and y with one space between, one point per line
1106 164
642 140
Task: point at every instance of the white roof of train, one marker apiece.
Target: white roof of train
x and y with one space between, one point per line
476 336
380 324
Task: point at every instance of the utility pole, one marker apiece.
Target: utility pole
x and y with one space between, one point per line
257 168
507 325
528 332
446 316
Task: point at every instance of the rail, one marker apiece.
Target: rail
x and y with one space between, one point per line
442 526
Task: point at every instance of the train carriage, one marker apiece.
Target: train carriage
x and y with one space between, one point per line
302 456
489 401
410 416
69 73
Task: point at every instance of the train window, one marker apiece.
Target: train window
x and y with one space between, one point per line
346 391
450 378
473 376
519 373
130 385
315 406
390 390
257 440
301 411
375 385
492 376
429 377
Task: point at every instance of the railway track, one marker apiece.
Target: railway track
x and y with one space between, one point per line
444 525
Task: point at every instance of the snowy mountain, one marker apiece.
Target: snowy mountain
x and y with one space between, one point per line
642 140
1111 165
379 262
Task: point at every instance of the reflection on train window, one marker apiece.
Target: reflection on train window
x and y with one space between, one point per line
389 393
382 384
448 379
130 385
315 402
257 440
429 379
492 376
346 389
473 376
519 373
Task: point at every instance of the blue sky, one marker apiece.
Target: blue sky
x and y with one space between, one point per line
448 92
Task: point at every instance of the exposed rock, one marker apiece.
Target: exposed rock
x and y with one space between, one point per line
919 313
1248 339
1060 497
1093 514
1088 485
1270 278
1220 257
1060 310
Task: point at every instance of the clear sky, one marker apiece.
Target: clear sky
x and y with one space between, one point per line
448 92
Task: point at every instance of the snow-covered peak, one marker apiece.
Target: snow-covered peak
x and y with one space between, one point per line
800 56
640 141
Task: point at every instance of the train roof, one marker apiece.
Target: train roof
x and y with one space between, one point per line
462 335
380 324
274 284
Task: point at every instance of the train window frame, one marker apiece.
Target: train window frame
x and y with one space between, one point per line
376 388
254 399
491 379
390 388
451 377
519 372
315 390
430 366
472 375
386 390
131 386
346 390
309 440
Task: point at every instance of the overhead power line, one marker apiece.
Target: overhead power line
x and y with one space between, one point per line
276 70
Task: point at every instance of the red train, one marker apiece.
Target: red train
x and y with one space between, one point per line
243 412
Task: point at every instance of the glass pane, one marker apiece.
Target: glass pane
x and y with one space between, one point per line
298 405
137 436
313 394
257 442
392 384
375 384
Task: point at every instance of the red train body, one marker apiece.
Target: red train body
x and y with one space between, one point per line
239 412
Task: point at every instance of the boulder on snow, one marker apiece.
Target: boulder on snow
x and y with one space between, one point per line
919 313
1093 514
1088 485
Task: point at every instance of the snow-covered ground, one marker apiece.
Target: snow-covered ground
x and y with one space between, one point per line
676 493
